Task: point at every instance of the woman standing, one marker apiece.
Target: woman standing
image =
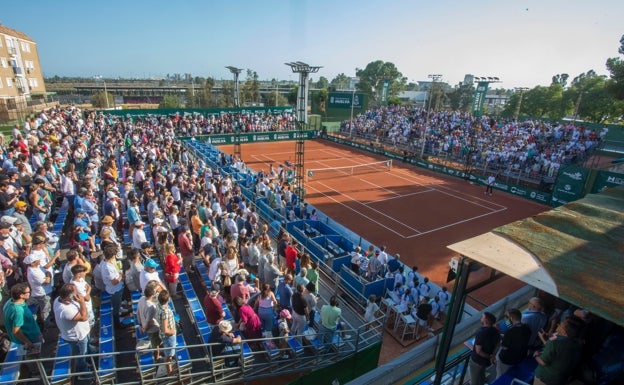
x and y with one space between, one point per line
250 324
265 305
173 265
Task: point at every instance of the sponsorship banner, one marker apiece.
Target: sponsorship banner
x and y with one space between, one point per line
607 179
201 111
569 185
479 98
343 100
256 137
384 92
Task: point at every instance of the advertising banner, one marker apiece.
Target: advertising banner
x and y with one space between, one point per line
343 100
605 180
479 98
256 137
569 185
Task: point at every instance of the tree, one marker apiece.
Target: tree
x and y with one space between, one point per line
461 97
375 74
394 100
320 99
274 99
292 95
169 102
251 89
99 100
322 82
589 97
227 94
340 82
615 65
560 79
411 86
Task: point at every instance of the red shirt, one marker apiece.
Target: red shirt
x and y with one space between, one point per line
185 244
214 311
291 257
172 267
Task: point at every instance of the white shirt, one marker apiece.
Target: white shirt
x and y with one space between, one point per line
110 272
145 277
36 277
138 237
64 315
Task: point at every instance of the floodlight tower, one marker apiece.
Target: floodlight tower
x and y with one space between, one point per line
237 146
304 70
521 90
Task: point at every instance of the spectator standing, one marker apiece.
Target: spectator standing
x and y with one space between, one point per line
72 319
535 319
113 281
309 296
330 319
18 319
485 345
149 273
266 303
300 311
148 320
514 345
214 309
168 330
285 292
173 265
250 324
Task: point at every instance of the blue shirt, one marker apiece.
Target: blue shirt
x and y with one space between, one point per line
285 292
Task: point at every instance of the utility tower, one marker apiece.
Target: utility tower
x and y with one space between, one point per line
237 146
304 70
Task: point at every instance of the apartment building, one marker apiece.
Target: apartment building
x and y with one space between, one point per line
21 75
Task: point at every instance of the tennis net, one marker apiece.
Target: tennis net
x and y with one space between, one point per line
342 171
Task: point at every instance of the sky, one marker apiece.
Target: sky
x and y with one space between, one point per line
522 42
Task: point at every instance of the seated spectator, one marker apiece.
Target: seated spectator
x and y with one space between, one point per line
225 343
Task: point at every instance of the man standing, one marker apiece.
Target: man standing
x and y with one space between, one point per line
19 320
489 184
485 345
72 319
300 311
146 313
535 319
285 292
330 318
515 344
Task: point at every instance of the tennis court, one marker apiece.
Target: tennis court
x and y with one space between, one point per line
411 211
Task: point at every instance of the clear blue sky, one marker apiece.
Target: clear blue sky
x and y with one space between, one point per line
523 42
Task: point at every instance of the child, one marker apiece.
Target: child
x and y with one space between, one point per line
83 289
283 329
167 329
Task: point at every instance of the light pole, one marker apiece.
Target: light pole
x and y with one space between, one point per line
351 119
304 70
235 71
521 90
434 78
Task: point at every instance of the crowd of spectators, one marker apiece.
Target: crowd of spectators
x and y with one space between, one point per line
228 123
137 202
534 147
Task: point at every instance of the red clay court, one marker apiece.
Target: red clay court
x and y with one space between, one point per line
410 210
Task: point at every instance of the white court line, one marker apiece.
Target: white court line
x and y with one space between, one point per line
455 223
382 188
400 196
458 195
370 208
358 212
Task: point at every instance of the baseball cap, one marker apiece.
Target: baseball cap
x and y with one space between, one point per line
285 314
151 263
